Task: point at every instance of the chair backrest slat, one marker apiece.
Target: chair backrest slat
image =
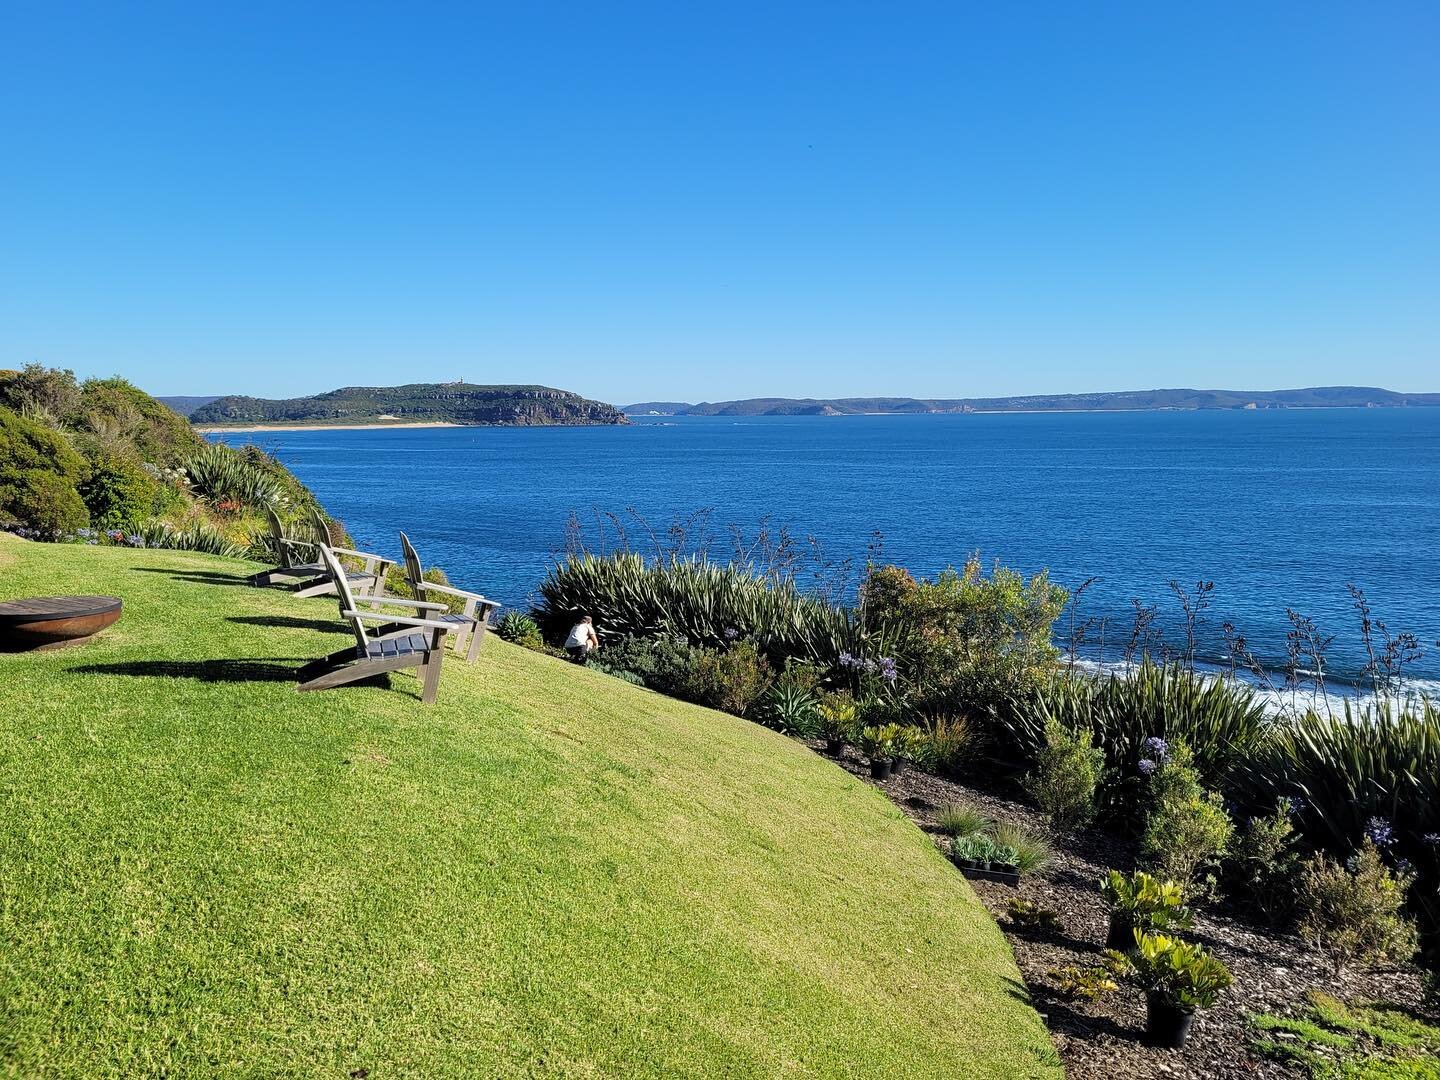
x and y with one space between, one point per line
319 524
277 533
414 572
342 590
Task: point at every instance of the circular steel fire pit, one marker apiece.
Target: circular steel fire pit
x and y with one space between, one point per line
49 622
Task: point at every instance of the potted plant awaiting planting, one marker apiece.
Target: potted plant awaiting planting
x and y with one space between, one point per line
1178 979
978 856
1139 901
837 722
878 743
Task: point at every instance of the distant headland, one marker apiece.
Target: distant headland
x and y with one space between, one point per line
1317 397
412 405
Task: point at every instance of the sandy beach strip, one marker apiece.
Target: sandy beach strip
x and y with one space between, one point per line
212 430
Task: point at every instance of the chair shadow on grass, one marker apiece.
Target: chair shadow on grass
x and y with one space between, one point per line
289 622
201 577
239 671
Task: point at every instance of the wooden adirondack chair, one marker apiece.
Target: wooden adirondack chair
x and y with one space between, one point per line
383 643
299 559
469 625
369 582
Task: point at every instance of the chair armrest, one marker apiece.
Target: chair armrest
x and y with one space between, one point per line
287 542
398 620
422 605
450 590
371 561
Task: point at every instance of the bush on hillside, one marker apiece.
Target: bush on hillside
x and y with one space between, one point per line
733 680
1186 828
1264 860
520 629
1354 913
223 476
965 640
1067 772
47 395
116 419
39 471
1225 724
121 495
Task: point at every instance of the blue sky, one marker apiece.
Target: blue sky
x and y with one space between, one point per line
686 201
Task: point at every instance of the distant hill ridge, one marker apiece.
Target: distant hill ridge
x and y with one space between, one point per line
1316 397
453 403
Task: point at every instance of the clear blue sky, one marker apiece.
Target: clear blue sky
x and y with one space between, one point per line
681 201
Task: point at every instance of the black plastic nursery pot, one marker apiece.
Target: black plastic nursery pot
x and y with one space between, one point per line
1166 1025
834 747
1121 934
880 768
898 766
990 872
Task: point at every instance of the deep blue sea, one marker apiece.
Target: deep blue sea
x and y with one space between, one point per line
1280 509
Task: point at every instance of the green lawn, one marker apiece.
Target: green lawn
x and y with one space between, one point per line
550 872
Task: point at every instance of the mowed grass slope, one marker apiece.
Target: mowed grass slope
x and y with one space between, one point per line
550 872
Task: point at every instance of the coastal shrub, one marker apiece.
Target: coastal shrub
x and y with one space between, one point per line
118 419
1186 827
1264 859
1354 913
120 495
49 396
613 672
1224 723
732 680
223 475
397 584
39 471
697 601
965 639
1067 771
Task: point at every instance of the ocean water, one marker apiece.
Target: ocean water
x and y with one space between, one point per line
1280 509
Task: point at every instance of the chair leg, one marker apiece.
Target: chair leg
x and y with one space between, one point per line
430 669
477 635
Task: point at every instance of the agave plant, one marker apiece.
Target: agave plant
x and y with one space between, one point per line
196 537
221 474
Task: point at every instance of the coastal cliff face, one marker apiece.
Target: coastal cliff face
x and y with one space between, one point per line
454 403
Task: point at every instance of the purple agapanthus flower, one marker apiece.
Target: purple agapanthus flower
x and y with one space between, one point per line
1297 806
849 660
1431 838
1156 748
1404 867
135 540
1380 832
731 633
1147 767
888 671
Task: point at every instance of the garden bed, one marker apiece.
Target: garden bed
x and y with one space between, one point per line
1273 972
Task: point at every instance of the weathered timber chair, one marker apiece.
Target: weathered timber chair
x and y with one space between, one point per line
299 559
383 643
369 581
470 624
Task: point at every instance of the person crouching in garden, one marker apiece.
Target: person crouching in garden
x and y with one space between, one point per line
583 640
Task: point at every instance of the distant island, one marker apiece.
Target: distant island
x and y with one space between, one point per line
413 404
1317 397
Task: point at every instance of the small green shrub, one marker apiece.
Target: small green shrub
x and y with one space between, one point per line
1186 829
1033 852
733 680
1264 860
1354 914
1085 984
1140 901
615 673
838 716
120 495
1030 916
1067 771
963 819
1184 976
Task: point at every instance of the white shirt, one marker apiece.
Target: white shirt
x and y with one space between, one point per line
582 633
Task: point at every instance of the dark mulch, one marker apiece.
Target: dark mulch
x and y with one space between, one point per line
1105 1040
